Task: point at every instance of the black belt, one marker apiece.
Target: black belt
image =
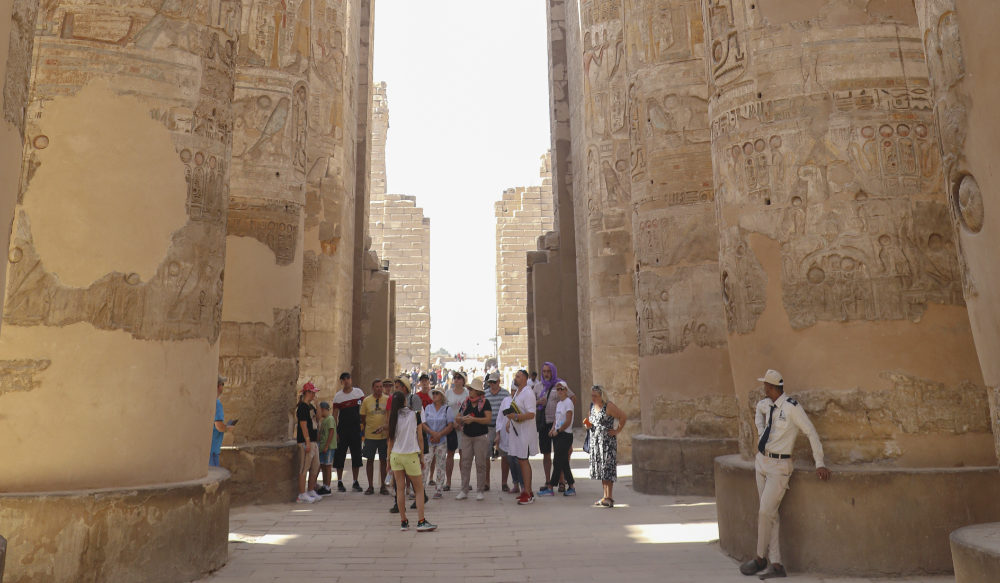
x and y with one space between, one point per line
779 456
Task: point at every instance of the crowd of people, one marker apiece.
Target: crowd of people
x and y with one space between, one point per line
415 423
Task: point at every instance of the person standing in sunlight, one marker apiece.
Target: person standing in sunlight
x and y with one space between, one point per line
604 442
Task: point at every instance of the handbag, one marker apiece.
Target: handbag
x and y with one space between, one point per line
586 443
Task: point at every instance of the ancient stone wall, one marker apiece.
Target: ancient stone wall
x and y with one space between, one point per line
958 36
15 57
838 257
522 214
401 235
114 279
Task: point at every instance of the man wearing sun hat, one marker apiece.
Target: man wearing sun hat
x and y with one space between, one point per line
779 419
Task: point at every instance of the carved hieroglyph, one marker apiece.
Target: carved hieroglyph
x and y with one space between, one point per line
115 264
828 177
681 324
957 34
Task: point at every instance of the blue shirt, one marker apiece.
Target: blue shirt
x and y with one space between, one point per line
216 434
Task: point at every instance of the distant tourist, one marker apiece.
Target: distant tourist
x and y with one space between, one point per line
405 437
524 441
305 436
562 437
424 390
778 419
502 444
604 442
474 419
327 446
374 418
439 422
347 410
456 396
219 426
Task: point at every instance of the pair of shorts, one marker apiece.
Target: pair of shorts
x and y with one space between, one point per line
407 462
452 439
348 441
544 441
373 446
326 457
493 436
308 460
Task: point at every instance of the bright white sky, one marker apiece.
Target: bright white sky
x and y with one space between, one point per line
468 115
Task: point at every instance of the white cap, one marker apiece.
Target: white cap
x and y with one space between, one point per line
773 377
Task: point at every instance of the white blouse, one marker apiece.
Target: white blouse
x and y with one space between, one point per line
406 433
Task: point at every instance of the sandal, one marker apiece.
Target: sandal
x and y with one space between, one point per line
599 502
608 503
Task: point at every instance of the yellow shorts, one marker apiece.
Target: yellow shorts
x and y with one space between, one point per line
408 462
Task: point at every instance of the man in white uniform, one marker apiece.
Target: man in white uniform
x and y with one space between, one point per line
524 437
779 420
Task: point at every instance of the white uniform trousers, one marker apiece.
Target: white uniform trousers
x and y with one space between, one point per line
772 483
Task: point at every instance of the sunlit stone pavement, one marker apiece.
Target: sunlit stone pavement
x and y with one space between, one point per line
351 537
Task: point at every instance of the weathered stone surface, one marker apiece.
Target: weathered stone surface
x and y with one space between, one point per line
835 232
522 215
975 553
262 473
677 465
154 534
957 35
401 236
114 276
862 522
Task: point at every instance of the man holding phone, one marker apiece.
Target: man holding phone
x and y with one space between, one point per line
374 422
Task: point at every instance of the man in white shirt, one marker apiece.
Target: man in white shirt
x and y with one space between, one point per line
779 420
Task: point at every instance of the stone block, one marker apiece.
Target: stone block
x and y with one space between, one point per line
161 533
975 553
867 520
677 465
262 473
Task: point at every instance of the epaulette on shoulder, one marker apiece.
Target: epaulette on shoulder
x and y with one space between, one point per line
793 401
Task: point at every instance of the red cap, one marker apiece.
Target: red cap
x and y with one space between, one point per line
309 387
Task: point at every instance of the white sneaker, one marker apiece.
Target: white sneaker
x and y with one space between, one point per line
304 498
479 496
461 495
312 494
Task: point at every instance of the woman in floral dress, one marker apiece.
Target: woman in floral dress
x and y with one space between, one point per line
604 442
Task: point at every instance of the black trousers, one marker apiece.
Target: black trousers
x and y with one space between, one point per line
562 443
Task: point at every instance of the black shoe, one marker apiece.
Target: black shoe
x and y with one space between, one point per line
486 488
447 488
505 488
562 486
340 486
753 566
369 491
324 491
357 487
424 526
394 509
383 491
404 525
775 570
414 505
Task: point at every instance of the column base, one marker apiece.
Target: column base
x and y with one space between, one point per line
165 533
677 465
866 521
975 552
263 473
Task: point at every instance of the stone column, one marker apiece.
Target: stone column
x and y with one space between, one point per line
839 269
685 382
602 163
261 314
330 159
957 34
114 289
373 356
15 64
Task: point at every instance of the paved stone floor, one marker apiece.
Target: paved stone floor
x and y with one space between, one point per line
351 537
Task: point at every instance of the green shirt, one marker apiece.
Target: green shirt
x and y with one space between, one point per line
326 427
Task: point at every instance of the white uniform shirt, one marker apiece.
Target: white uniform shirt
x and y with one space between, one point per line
502 422
789 418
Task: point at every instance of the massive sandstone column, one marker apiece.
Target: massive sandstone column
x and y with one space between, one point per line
601 161
114 289
263 296
685 382
839 269
957 35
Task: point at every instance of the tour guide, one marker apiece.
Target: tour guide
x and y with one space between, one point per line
779 419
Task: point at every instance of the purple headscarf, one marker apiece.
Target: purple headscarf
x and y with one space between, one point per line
548 384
